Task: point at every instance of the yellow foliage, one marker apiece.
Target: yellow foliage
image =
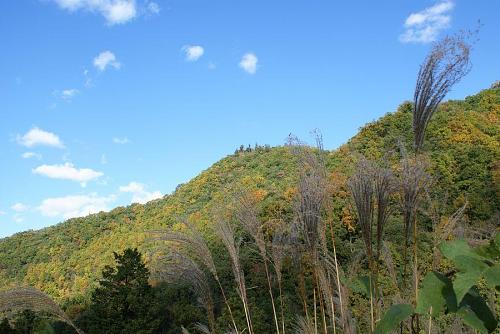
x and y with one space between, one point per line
347 218
290 193
338 182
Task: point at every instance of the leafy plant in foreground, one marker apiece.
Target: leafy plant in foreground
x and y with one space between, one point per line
462 295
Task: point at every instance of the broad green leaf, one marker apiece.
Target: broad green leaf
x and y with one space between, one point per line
436 292
492 276
469 264
476 313
463 282
471 319
471 271
393 317
452 249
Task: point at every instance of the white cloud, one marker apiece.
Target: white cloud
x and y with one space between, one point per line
74 206
114 11
139 193
120 12
19 207
68 94
425 26
193 52
249 63
39 137
132 187
2 213
29 155
153 8
121 141
105 59
18 218
68 172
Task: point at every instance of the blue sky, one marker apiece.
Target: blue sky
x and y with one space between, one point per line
108 102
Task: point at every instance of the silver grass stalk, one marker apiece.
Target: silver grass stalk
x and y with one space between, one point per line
247 214
413 182
194 244
447 63
362 191
179 268
226 233
27 298
304 326
279 247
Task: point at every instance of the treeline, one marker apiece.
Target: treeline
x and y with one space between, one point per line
256 148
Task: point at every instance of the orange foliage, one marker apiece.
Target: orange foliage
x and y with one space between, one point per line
258 195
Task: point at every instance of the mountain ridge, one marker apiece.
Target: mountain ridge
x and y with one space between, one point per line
462 142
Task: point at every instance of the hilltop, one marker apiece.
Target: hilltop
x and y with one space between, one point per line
462 144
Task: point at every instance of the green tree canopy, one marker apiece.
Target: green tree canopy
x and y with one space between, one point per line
125 301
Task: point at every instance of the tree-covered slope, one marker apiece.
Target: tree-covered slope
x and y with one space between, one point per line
462 145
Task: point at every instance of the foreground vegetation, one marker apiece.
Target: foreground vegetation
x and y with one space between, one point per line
373 237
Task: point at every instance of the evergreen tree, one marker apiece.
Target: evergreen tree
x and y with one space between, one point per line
125 301
5 327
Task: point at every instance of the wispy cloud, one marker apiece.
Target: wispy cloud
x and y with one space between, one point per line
106 59
425 26
18 218
68 172
193 52
66 94
29 155
88 80
139 193
74 206
39 137
153 8
114 11
121 141
249 63
19 207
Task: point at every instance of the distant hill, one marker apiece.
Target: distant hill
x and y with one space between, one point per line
462 142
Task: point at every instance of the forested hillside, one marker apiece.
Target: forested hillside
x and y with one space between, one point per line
462 146
463 143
